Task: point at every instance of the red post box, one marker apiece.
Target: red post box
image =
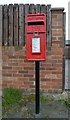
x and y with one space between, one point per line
36 37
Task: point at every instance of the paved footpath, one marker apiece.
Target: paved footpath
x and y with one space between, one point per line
47 110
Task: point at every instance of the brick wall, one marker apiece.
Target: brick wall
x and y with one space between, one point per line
20 73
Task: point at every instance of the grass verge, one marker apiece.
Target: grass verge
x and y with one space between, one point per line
11 96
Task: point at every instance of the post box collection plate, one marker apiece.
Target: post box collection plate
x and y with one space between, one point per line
35 44
36 37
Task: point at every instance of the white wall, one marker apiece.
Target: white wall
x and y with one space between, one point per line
67 74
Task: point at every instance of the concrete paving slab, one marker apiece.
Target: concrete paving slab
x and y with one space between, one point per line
47 110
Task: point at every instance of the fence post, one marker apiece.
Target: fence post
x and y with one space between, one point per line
21 25
49 40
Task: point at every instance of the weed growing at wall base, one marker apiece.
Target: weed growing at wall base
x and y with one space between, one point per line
10 97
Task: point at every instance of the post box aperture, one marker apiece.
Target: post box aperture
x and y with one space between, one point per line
36 37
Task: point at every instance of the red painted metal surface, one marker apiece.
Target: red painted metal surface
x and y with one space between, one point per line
36 37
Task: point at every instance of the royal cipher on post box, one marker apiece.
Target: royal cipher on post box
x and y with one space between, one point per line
36 37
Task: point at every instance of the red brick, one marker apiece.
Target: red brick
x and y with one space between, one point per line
60 38
26 65
54 23
47 87
31 72
57 57
54 31
57 27
8 53
6 67
6 74
29 61
28 75
54 45
12 78
56 87
28 68
57 12
54 38
17 68
51 61
13 57
50 91
4 57
42 75
50 76
45 90
43 72
23 79
59 76
59 69
55 91
29 83
56 72
51 83
45 79
32 86
54 20
19 53
23 71
57 19
54 16
44 64
12 71
42 68
7 60
53 68
4 71
60 31
17 60
12 64
60 61
57 42
48 72
22 57
57 80
24 86
57 65
17 75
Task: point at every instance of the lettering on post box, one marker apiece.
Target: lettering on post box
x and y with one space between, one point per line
36 37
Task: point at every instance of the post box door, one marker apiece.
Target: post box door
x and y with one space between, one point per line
36 37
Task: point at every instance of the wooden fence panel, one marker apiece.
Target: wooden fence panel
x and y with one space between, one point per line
21 25
43 9
26 12
0 25
11 25
5 25
37 8
15 25
32 9
49 40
